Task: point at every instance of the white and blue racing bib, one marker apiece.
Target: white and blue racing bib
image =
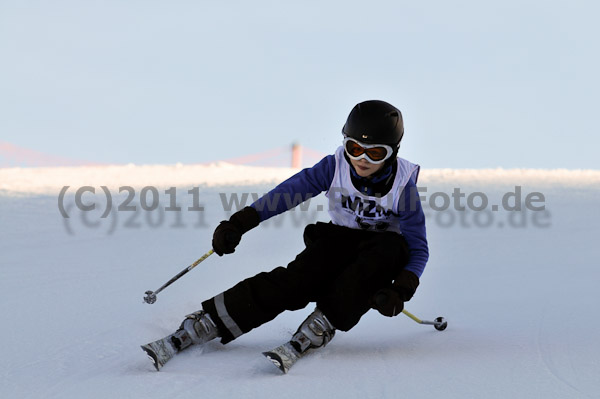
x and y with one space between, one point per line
351 208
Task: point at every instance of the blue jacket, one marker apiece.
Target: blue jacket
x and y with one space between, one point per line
310 182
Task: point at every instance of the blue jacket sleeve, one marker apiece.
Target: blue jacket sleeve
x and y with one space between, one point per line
412 225
307 183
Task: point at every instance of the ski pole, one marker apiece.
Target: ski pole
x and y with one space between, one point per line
440 323
151 295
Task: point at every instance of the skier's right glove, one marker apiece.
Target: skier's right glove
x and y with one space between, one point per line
228 233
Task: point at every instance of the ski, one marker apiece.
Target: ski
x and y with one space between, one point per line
160 351
284 356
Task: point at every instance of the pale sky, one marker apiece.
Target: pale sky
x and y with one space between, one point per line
481 84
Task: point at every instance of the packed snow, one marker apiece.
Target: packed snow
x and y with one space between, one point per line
518 288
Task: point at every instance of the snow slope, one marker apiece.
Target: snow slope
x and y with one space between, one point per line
519 290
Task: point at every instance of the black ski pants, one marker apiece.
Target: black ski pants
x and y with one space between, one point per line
340 269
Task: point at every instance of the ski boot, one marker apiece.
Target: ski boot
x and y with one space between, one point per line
314 332
197 328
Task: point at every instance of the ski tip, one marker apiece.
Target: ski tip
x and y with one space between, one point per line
276 360
152 356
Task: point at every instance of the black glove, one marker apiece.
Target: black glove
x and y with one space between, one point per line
228 233
390 301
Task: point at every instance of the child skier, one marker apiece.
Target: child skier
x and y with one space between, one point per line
371 254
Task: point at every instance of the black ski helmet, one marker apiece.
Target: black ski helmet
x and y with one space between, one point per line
375 122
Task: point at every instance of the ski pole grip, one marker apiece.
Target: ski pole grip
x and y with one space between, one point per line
233 238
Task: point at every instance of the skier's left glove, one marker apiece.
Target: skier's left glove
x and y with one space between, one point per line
228 233
390 301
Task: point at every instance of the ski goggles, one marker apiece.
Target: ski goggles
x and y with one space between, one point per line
374 153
